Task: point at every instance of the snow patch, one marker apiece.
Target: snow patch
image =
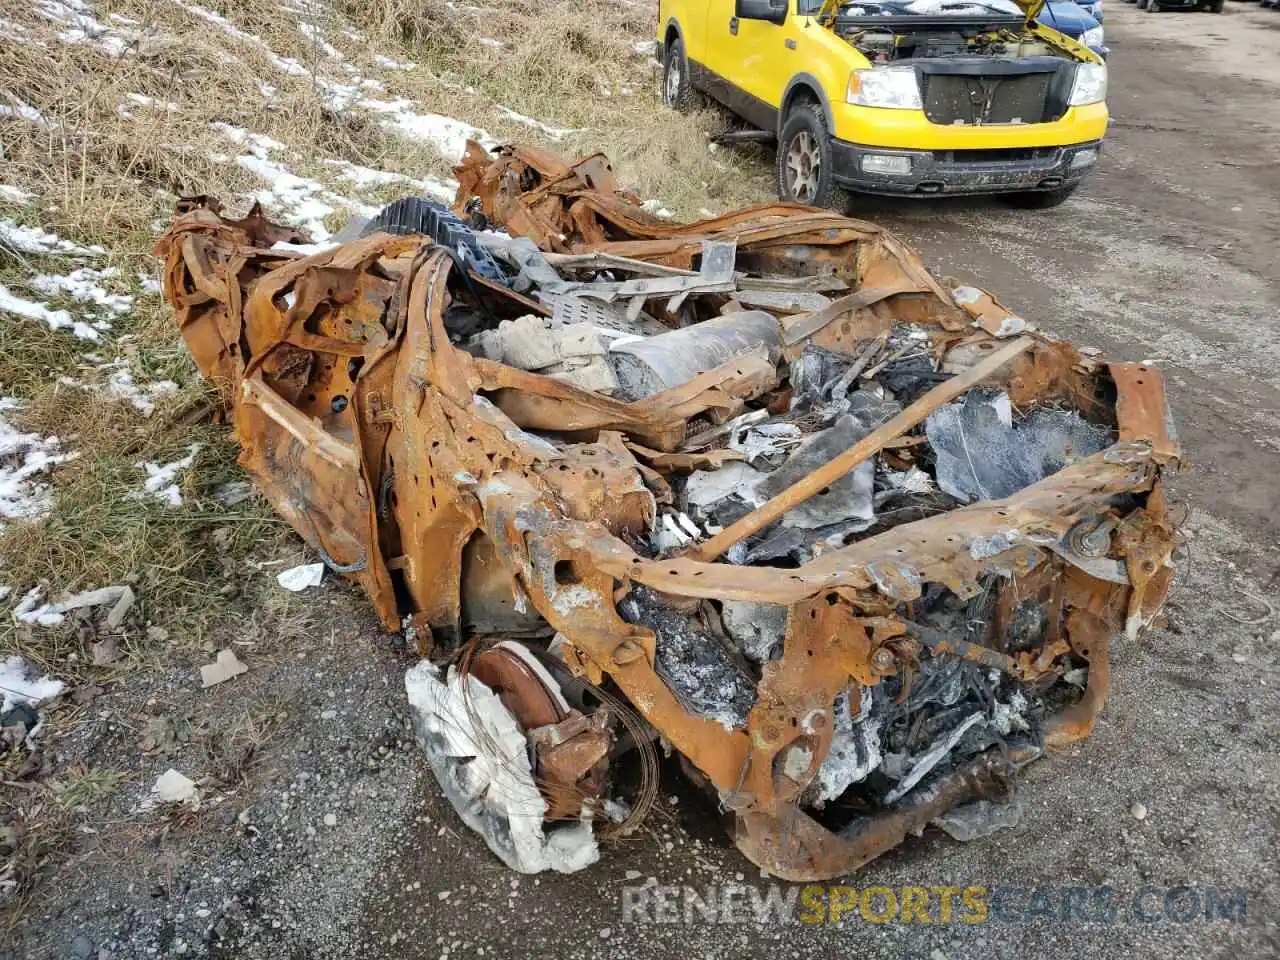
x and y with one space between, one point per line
16 107
388 64
14 194
313 33
160 483
446 190
25 458
82 285
82 27
283 64
554 133
56 319
446 134
34 240
120 384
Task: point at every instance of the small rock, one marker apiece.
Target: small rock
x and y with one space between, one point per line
329 715
330 820
82 947
606 933
172 787
1139 811
224 667
633 874
105 652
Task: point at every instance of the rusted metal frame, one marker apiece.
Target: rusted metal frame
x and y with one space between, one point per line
792 846
430 393
898 561
799 328
538 402
870 445
583 610
610 647
1142 409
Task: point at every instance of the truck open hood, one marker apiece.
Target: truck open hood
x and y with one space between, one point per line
1028 9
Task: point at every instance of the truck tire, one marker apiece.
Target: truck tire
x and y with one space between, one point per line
804 163
1038 199
677 91
1142 4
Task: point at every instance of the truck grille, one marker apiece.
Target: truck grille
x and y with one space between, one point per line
960 98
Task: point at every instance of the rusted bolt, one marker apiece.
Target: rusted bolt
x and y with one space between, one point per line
883 661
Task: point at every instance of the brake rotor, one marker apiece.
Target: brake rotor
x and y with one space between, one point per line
524 685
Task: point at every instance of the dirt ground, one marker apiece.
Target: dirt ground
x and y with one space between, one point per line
339 844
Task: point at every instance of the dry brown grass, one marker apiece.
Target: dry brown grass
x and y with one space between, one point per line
572 64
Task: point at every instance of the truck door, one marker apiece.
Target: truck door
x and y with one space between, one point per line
760 54
692 17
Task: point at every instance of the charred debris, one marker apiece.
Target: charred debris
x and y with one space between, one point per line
758 490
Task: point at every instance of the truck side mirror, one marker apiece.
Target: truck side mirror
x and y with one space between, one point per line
774 11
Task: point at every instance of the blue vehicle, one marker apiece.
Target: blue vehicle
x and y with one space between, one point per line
1077 20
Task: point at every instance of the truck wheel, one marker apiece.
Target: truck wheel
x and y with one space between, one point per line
1142 4
677 92
804 164
1038 199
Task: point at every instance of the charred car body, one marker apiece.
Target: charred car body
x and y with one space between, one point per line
757 489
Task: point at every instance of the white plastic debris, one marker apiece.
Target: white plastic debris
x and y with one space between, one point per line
299 578
20 684
480 757
225 666
31 610
233 492
172 787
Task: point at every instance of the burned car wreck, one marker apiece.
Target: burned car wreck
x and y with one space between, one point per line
759 490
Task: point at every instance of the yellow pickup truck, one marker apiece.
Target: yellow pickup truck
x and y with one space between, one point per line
899 97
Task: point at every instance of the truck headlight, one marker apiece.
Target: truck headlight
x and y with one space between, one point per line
1092 37
893 87
1090 85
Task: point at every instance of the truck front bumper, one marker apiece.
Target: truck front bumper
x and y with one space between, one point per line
896 172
